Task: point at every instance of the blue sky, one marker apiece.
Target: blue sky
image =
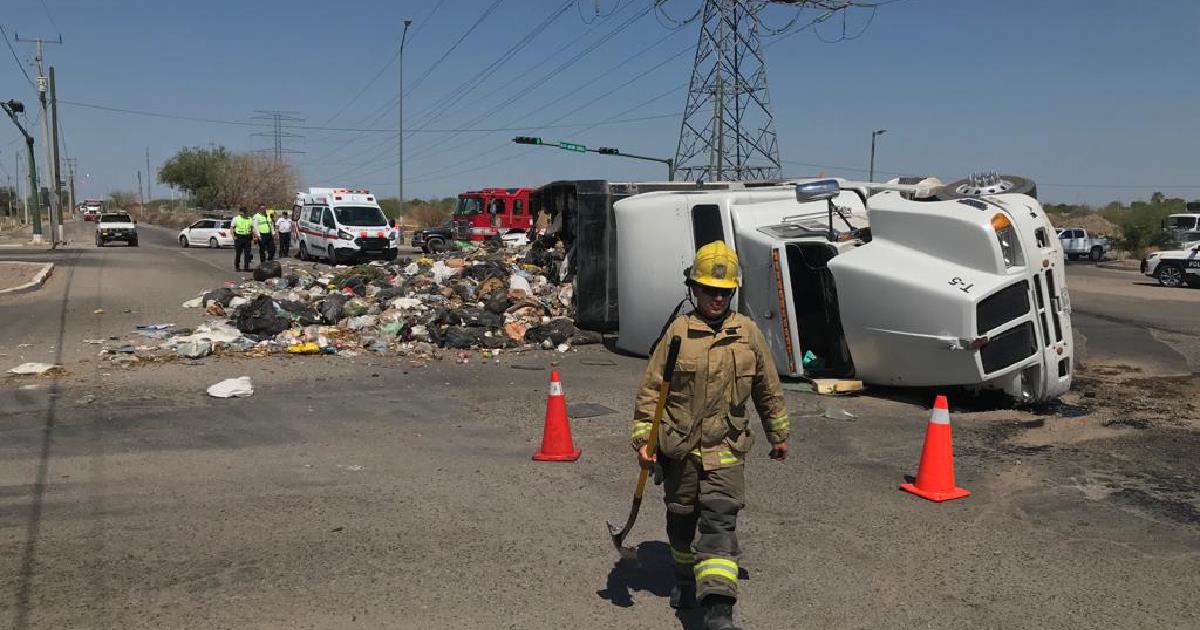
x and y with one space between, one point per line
1094 99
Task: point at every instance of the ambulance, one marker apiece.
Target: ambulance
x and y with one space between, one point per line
343 226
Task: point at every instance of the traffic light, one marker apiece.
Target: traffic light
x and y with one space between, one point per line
527 140
608 151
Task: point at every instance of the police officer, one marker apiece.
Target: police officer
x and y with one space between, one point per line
263 231
705 435
243 234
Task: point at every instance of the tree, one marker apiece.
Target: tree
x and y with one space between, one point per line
254 178
198 171
122 200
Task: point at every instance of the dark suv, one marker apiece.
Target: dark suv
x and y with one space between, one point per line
433 240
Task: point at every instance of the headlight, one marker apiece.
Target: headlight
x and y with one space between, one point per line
1006 235
1152 255
342 234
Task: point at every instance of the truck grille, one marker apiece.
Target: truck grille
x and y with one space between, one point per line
371 243
1008 348
1003 306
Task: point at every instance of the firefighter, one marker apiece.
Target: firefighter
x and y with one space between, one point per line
243 233
263 231
705 434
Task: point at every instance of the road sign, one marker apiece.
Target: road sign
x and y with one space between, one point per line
571 146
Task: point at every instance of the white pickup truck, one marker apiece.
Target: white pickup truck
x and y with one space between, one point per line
116 226
1175 268
1077 243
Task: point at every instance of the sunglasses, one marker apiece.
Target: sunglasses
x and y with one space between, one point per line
715 291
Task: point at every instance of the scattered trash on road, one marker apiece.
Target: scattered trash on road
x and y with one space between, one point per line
239 387
35 369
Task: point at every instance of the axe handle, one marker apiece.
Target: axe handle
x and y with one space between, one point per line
656 422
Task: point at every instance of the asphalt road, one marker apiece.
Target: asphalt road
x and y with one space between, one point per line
372 493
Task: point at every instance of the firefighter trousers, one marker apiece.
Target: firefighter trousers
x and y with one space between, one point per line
708 501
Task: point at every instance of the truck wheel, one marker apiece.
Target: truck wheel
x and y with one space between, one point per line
1006 184
183 242
435 245
1097 254
1169 276
331 254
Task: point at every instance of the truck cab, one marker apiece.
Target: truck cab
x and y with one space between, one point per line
492 212
343 225
874 281
1183 227
1078 243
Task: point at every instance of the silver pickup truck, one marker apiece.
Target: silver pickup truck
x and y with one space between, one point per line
1077 243
116 226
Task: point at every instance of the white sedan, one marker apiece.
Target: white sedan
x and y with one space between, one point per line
207 232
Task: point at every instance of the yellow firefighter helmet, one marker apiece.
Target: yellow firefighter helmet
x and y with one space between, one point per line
716 266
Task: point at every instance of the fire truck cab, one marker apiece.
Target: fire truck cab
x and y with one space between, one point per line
491 212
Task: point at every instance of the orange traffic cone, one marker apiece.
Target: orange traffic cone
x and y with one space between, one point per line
556 435
935 477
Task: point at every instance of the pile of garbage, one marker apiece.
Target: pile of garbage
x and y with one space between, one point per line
485 300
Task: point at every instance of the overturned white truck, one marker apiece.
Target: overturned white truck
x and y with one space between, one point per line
881 282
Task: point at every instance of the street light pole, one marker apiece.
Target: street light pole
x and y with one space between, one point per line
874 134
400 114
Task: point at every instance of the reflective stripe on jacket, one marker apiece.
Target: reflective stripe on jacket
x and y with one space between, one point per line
716 374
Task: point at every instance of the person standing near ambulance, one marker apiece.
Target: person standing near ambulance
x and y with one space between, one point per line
263 234
724 362
243 235
284 227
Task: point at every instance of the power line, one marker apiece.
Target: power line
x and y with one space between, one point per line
16 58
51 18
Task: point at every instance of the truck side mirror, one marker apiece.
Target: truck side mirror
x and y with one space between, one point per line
821 189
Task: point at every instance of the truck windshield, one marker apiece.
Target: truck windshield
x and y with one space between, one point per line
359 215
1181 223
469 205
115 218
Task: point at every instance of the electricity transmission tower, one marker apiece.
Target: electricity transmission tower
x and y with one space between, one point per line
280 122
728 130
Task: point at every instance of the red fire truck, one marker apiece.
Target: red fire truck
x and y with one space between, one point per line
483 214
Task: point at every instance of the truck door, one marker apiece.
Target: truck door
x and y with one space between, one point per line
1072 241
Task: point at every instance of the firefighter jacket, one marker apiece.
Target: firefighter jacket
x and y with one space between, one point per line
718 371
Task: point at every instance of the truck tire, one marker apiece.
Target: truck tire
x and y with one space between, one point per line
434 245
304 252
1169 275
1097 254
183 242
1018 185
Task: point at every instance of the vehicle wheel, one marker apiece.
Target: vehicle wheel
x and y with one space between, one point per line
99 243
1097 254
331 254
183 242
1169 276
303 251
133 243
213 243
1070 256
435 246
1007 184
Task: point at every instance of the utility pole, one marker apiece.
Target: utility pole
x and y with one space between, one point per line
400 116
12 108
42 86
871 169
58 180
71 175
149 178
20 198
143 200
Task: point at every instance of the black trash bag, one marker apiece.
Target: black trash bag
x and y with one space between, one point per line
291 281
586 337
497 301
390 293
267 270
497 341
356 283
462 338
557 331
538 256
332 306
259 317
300 312
479 273
222 296
476 318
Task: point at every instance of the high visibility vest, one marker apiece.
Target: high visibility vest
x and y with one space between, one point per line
242 226
264 224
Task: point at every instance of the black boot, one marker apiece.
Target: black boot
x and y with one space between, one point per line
683 595
718 613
